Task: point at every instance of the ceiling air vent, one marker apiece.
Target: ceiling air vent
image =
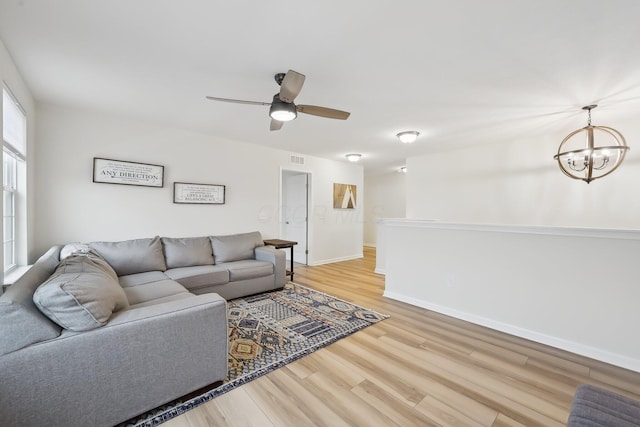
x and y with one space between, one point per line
297 160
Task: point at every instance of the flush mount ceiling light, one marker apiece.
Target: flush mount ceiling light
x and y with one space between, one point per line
353 157
282 111
403 169
579 157
408 136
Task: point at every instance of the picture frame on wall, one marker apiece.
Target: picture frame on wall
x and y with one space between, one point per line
198 194
344 196
121 172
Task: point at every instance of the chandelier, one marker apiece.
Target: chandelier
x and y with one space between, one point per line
579 157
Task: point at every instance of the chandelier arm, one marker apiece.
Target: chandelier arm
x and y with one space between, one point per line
616 165
564 171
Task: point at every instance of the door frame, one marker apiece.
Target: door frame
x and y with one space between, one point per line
281 218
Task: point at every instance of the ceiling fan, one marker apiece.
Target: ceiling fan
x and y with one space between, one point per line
282 107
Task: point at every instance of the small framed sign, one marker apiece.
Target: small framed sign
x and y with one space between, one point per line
109 171
201 194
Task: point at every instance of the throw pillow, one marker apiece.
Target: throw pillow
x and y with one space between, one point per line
81 294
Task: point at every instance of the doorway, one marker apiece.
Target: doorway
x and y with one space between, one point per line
295 212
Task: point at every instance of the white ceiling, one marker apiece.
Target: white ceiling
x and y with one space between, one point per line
458 71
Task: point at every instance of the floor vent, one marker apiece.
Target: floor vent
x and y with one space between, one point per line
297 160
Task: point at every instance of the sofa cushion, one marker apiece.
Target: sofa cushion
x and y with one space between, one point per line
141 278
199 276
162 300
81 294
21 322
152 291
185 252
235 247
248 269
132 256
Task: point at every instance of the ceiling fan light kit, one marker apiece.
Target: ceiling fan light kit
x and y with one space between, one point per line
282 109
409 136
579 157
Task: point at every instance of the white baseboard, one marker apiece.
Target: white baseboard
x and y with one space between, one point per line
381 271
330 261
573 347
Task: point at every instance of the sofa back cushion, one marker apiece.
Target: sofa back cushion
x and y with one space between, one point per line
235 247
132 256
81 294
21 323
187 251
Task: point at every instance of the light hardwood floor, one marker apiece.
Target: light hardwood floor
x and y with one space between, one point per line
417 368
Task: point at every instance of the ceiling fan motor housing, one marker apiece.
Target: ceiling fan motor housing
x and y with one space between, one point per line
279 78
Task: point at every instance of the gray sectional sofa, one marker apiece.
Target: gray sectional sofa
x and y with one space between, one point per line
95 334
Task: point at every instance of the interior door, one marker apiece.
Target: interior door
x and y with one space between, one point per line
295 215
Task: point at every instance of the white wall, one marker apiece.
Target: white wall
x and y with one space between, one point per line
335 234
73 208
574 293
520 183
385 198
575 289
11 77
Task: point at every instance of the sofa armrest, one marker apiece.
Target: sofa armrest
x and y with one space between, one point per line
143 358
279 260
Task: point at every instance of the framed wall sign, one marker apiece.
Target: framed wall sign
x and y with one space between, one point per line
201 194
344 196
109 171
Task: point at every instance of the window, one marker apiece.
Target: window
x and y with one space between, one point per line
14 138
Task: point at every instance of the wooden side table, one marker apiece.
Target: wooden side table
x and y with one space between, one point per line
282 244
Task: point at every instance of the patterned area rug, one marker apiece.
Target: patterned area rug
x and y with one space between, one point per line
269 330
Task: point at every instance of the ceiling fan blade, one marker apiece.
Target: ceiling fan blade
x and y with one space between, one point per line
276 125
238 101
291 86
329 113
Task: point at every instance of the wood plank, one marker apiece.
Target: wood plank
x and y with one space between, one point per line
444 414
393 408
285 402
